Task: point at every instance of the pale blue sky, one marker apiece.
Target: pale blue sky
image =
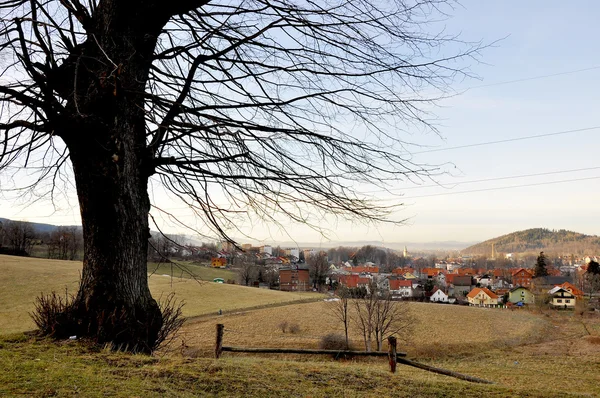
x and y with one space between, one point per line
540 38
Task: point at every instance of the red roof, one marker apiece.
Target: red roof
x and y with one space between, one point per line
522 269
572 288
396 284
477 290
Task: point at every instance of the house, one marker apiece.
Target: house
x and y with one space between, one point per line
438 296
521 294
483 297
401 287
485 280
294 279
561 298
218 262
461 285
571 288
545 283
522 277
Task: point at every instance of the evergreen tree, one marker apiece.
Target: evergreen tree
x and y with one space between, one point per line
593 268
540 266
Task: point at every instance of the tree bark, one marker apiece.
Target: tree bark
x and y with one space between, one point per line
105 133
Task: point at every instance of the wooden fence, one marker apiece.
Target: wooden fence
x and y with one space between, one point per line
393 356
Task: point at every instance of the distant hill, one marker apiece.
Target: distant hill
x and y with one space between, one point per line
539 239
39 227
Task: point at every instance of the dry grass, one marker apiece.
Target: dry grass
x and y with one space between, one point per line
22 279
441 330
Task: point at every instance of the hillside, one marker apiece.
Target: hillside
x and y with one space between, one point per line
539 239
22 279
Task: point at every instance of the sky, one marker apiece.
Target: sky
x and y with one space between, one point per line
540 79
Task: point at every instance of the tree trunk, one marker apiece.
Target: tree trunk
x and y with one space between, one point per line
114 304
105 132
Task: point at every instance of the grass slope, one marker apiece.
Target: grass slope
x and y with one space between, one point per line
22 279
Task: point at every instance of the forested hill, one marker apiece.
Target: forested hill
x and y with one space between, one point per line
539 239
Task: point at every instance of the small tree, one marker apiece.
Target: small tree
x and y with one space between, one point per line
318 267
246 269
339 310
540 266
376 315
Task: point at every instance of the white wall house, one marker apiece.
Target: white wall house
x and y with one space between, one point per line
439 296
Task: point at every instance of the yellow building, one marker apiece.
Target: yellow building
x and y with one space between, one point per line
562 298
482 297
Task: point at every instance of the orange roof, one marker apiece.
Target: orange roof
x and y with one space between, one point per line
572 288
477 290
395 284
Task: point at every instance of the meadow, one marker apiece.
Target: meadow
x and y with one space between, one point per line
525 354
22 279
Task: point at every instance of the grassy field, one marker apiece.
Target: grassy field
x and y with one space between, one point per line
526 354
441 331
22 279
186 269
561 364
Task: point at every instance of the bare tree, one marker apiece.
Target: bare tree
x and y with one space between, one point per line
378 316
318 268
20 237
339 310
272 107
64 243
392 318
246 268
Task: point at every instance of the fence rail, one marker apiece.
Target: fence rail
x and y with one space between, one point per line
393 356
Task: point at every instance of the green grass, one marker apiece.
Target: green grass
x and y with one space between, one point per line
22 279
186 269
34 367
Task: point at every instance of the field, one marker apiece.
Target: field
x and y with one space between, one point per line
22 279
525 354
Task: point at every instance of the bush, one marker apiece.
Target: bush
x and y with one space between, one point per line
294 328
283 326
333 341
52 314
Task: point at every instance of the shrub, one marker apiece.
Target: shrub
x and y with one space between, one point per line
333 341
294 328
52 314
283 326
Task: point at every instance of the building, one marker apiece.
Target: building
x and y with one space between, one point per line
569 287
521 294
218 262
401 287
522 277
438 296
294 279
460 285
561 298
482 297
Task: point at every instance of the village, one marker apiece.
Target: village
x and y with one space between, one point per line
453 281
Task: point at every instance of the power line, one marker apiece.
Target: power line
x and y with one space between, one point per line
526 79
442 185
530 137
500 188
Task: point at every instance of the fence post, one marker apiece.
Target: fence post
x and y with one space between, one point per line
219 342
392 353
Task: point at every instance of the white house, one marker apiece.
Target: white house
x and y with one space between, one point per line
439 296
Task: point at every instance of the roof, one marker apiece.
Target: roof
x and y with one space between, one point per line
477 290
570 287
557 289
396 284
514 289
551 280
522 269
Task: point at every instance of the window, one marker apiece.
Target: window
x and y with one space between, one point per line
559 301
567 301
